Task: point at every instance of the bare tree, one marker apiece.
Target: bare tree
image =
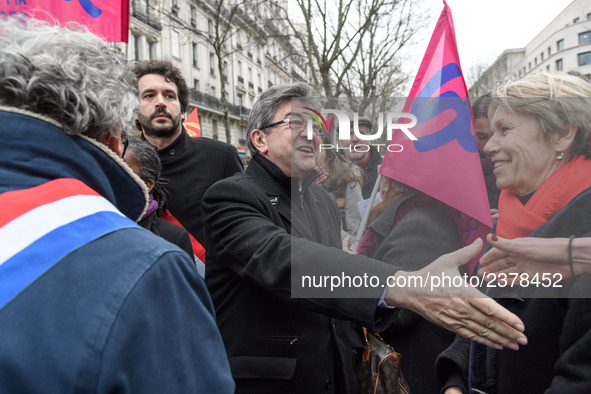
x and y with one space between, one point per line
225 20
377 69
475 72
352 45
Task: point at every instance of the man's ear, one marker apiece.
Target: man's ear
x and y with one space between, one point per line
259 141
113 142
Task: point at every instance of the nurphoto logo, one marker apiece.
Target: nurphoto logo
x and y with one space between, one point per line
394 121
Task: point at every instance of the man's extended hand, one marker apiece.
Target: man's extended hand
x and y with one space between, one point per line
463 310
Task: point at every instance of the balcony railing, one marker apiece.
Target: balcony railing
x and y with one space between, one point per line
150 20
212 102
206 99
238 110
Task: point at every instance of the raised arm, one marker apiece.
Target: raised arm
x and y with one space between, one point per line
532 255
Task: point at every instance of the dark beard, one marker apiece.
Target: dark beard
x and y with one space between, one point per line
158 130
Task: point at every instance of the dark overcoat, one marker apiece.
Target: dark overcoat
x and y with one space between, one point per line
263 235
557 323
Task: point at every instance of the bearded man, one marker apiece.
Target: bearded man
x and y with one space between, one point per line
190 165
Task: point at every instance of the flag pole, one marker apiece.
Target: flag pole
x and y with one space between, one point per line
363 224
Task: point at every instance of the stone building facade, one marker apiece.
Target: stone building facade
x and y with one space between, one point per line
256 53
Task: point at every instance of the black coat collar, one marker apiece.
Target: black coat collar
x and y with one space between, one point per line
274 181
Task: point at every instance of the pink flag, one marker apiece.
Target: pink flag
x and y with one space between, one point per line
329 123
106 18
443 162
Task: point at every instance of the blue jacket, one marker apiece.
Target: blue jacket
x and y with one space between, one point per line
126 312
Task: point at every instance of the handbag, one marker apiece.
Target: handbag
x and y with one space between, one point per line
378 368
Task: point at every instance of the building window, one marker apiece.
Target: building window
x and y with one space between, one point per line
529 65
535 61
211 64
549 51
238 40
225 70
242 139
135 46
151 50
541 56
560 45
576 20
585 38
214 124
196 84
559 65
584 58
589 15
176 44
210 28
195 49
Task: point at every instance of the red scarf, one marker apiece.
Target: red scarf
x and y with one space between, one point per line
518 220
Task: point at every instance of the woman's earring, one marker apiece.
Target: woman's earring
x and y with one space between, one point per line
560 156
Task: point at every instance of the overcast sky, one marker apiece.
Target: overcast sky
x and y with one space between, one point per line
485 28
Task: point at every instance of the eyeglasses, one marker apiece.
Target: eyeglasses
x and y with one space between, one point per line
295 124
125 143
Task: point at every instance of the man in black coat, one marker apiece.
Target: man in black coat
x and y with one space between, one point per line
272 234
190 165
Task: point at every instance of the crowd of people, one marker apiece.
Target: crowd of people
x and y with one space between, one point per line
99 293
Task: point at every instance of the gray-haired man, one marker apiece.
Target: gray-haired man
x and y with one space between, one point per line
269 228
89 301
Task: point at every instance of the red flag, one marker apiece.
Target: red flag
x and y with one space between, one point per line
198 249
192 124
443 162
106 18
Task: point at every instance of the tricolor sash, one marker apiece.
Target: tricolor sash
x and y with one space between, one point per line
41 225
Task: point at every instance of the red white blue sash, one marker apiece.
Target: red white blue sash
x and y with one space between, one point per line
41 225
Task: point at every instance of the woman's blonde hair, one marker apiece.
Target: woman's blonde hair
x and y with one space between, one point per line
559 101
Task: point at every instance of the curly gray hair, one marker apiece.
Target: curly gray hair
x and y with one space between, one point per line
67 74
